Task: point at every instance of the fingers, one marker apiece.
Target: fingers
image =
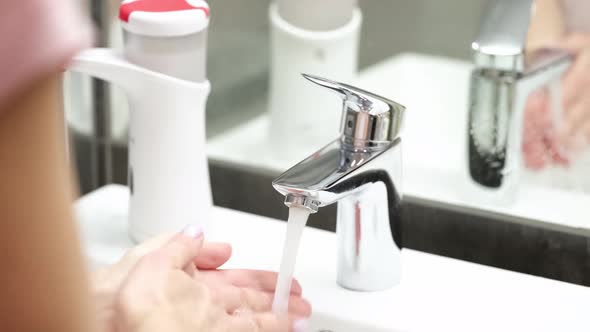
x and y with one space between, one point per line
258 301
213 255
254 279
299 307
149 246
266 322
182 249
536 125
575 120
576 79
534 155
190 270
237 298
575 85
295 287
252 300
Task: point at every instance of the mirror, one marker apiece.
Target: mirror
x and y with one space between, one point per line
419 54
262 118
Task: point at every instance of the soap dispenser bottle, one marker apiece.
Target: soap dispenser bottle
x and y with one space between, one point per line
162 71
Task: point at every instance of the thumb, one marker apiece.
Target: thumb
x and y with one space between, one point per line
182 249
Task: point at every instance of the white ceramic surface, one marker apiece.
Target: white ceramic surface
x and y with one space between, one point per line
436 293
168 169
435 92
296 105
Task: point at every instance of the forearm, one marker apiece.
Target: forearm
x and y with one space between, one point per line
43 283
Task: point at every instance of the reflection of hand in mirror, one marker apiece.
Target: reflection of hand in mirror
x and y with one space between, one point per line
574 133
540 144
543 143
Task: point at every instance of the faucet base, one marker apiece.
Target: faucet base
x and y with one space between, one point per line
368 257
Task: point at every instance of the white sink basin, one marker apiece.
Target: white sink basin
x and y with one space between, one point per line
436 293
435 92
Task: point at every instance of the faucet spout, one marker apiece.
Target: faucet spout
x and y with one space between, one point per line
502 36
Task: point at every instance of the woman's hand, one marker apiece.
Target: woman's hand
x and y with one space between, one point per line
540 145
574 133
165 292
243 291
107 281
546 142
255 289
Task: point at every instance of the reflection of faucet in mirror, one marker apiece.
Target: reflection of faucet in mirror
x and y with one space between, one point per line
361 170
503 78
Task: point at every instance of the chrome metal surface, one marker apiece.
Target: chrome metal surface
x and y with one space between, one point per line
502 36
503 78
302 201
368 118
364 179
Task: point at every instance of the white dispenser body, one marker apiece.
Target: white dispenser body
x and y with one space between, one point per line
298 110
168 172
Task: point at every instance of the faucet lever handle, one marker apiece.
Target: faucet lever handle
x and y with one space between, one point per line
366 116
366 101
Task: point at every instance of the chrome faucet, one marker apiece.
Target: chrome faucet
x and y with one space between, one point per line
503 78
361 170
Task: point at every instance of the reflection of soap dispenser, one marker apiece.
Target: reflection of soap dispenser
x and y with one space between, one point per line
162 71
320 37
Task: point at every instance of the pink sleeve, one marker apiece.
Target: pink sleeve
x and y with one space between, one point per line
37 37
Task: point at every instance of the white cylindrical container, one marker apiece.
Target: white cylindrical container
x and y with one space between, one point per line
168 171
302 123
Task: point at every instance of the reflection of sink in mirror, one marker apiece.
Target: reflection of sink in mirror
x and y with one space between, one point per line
435 92
435 294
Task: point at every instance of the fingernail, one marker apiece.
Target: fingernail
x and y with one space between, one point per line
300 325
193 231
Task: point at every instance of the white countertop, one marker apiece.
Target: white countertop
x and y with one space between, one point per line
436 293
